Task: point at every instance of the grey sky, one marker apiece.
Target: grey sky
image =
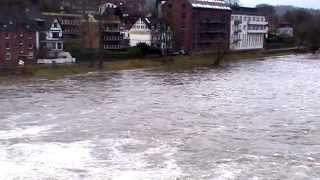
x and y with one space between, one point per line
299 3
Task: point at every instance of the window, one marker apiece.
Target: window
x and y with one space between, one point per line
55 35
7 45
30 45
55 25
183 15
21 35
8 56
7 36
59 46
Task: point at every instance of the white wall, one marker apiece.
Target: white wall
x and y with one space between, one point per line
139 33
139 38
249 33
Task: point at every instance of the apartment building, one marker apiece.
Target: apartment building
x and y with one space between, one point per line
248 29
198 25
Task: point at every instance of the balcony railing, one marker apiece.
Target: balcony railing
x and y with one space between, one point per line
257 22
111 30
257 31
112 38
114 46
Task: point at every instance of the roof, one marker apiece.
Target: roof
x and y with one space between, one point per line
48 21
150 22
245 10
13 18
210 4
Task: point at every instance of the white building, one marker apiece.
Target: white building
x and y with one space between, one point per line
52 44
140 32
248 30
285 30
54 34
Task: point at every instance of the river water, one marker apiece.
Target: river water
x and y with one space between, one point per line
250 120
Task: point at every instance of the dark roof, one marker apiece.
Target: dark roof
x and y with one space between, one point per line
47 21
150 22
210 4
13 18
245 10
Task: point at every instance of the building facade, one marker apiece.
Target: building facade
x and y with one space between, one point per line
151 31
90 32
285 30
70 24
140 32
111 36
53 42
18 40
130 7
111 28
198 25
162 36
248 29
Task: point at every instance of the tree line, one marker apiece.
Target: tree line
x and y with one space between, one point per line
305 23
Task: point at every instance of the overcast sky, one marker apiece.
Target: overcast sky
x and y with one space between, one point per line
299 3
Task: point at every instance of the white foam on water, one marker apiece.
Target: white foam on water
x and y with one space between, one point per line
226 172
78 160
44 161
25 132
135 166
87 111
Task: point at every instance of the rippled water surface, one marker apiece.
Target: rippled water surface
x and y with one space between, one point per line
257 119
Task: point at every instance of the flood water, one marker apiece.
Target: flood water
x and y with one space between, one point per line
247 120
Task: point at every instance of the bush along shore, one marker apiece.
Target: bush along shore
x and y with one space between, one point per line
167 62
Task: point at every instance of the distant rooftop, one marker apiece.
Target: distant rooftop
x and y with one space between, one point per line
245 10
210 4
12 18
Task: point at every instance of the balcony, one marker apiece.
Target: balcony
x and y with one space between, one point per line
264 31
258 23
115 46
111 30
113 38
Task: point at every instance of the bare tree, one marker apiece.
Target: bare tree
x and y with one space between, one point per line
306 28
220 51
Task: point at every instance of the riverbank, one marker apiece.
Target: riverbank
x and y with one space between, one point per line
176 62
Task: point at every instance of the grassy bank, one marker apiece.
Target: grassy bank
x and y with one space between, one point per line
178 62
